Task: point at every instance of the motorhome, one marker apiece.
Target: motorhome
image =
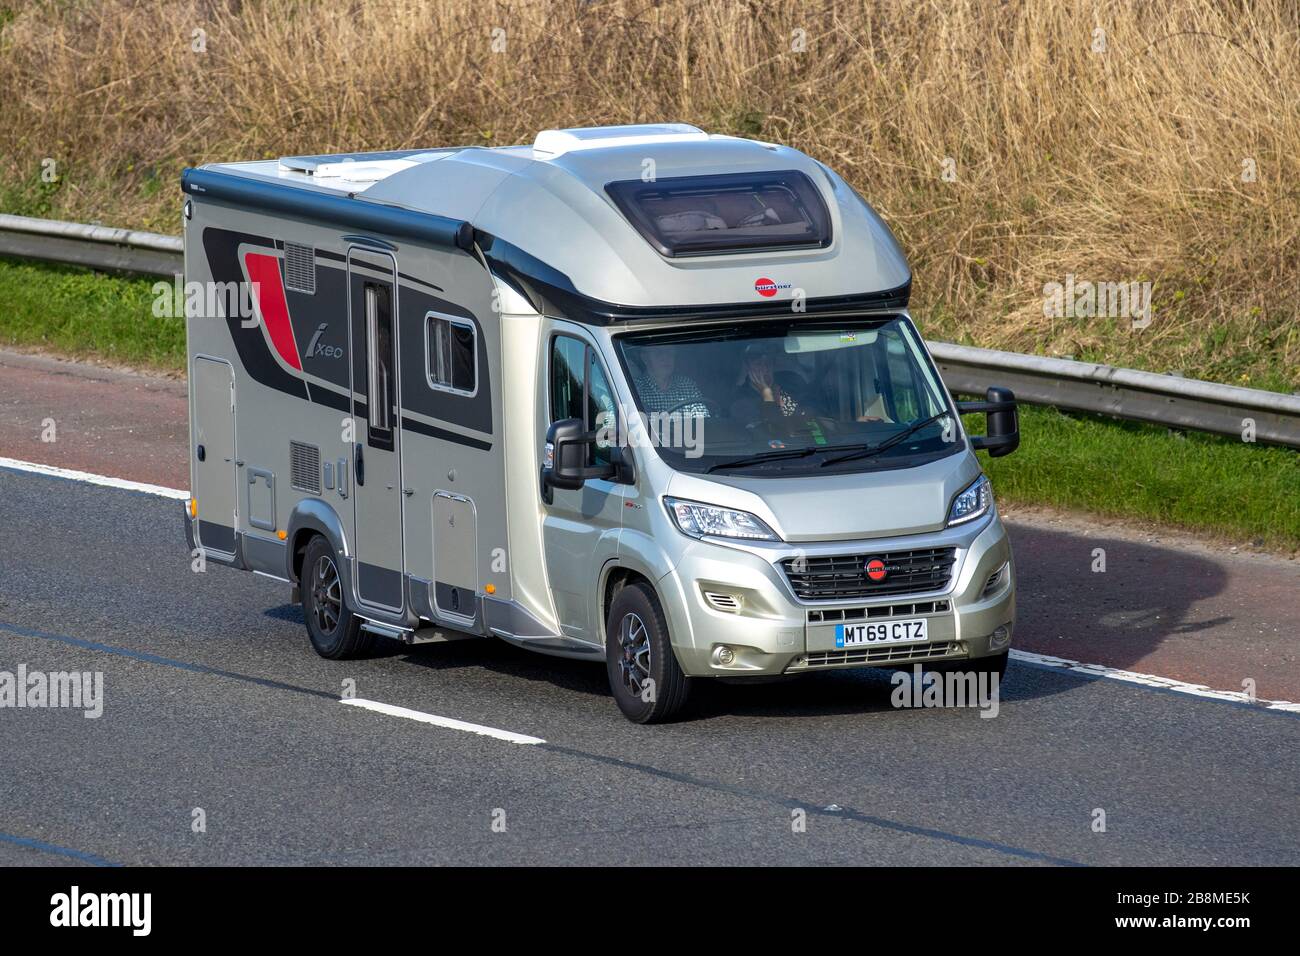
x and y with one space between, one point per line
641 395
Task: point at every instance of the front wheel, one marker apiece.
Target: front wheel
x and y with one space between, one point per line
644 676
334 630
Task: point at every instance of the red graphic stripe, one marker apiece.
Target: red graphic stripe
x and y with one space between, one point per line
264 271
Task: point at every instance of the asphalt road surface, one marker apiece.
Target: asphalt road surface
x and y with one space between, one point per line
215 709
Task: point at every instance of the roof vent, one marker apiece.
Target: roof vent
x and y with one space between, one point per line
557 142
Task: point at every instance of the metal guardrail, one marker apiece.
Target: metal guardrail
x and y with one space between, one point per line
1123 392
1079 386
97 247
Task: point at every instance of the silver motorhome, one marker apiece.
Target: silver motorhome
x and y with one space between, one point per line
635 394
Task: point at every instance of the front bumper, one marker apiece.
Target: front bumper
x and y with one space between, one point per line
770 631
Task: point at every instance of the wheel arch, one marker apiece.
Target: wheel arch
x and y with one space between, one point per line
310 517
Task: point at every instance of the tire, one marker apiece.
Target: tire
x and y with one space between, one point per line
637 653
335 632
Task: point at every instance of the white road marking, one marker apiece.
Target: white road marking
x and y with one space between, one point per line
448 722
1150 680
53 472
1045 660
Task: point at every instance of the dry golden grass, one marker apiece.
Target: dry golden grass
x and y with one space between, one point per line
1119 165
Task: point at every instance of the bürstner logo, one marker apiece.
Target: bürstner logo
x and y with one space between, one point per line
876 569
768 287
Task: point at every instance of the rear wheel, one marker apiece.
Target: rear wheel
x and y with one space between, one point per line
647 682
334 630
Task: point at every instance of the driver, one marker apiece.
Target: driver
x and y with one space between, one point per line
662 391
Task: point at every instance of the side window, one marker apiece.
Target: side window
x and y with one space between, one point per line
452 354
381 394
910 397
580 389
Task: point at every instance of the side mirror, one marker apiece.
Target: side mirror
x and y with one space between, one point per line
1003 421
564 461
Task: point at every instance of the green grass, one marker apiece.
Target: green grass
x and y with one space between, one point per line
87 314
1087 463
1200 482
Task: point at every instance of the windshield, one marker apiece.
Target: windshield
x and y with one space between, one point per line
775 399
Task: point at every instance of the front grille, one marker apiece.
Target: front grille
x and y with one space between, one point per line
845 576
874 612
875 655
304 467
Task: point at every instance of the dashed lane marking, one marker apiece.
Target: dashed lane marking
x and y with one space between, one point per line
448 722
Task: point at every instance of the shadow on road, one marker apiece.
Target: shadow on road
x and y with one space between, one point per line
1065 608
1146 594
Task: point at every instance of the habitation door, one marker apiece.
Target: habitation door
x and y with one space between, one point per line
213 455
377 499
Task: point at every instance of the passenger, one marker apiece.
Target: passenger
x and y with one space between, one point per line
662 391
764 395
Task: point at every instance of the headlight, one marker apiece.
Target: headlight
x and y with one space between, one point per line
699 520
971 503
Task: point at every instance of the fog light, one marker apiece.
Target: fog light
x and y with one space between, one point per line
724 656
1001 637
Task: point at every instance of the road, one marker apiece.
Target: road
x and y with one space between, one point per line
214 702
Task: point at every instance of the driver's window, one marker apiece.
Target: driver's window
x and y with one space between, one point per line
907 397
580 389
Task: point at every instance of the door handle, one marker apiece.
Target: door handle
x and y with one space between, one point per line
408 491
359 467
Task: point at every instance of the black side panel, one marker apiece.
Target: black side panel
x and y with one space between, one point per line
456 600
320 325
325 349
335 400
380 584
261 554
222 248
217 536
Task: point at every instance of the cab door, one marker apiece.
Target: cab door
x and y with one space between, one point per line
377 498
578 524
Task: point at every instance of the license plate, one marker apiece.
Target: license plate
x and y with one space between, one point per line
883 632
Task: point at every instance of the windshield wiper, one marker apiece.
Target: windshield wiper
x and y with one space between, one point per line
779 455
888 442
